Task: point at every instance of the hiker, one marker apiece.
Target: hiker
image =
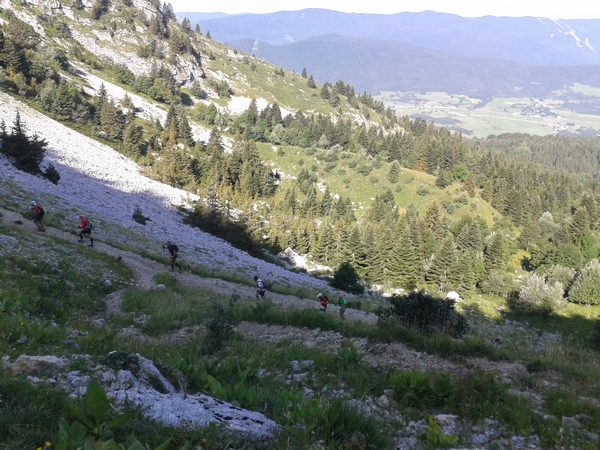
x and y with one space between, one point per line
342 302
38 215
173 251
324 301
261 287
86 228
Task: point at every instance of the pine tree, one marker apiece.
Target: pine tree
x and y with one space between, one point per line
494 253
374 267
580 224
439 271
185 131
403 267
304 74
311 83
322 250
28 152
469 184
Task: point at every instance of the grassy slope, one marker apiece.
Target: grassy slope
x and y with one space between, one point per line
567 361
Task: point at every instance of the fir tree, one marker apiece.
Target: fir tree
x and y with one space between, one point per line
28 152
469 184
439 271
494 253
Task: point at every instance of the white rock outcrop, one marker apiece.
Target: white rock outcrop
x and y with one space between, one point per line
145 387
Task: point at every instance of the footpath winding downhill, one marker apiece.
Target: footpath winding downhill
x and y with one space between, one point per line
395 354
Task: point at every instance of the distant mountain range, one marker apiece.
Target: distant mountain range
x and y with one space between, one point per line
486 56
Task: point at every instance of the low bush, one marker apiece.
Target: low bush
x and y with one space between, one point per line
537 296
426 313
139 217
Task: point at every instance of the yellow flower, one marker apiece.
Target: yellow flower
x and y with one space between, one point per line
48 444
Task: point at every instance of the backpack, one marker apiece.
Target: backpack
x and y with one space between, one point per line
42 210
261 284
88 224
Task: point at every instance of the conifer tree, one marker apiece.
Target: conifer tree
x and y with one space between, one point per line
403 267
304 74
311 83
579 224
322 250
373 263
185 131
469 184
28 152
439 271
494 253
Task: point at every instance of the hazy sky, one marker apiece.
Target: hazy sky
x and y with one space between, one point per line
554 9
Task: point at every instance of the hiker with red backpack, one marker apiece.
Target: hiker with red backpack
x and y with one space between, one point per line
324 301
86 228
38 215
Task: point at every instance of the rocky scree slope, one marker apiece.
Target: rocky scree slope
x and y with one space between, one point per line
104 185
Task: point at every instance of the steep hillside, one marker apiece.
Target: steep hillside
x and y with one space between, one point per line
114 110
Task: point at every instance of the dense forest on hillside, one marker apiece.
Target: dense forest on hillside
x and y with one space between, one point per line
548 215
579 155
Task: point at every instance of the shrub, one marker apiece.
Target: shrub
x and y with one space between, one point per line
463 198
537 296
346 278
423 190
139 217
426 313
51 174
586 287
421 390
561 274
365 170
219 328
498 283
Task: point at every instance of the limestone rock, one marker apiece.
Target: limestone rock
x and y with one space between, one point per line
37 365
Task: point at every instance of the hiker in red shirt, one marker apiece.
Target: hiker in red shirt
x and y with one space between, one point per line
38 215
86 228
324 301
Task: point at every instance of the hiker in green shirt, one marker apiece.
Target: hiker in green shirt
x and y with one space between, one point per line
342 302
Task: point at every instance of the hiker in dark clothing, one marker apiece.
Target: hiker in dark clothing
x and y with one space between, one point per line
173 251
86 228
38 215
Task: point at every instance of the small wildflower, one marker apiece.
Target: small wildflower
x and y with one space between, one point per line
48 444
